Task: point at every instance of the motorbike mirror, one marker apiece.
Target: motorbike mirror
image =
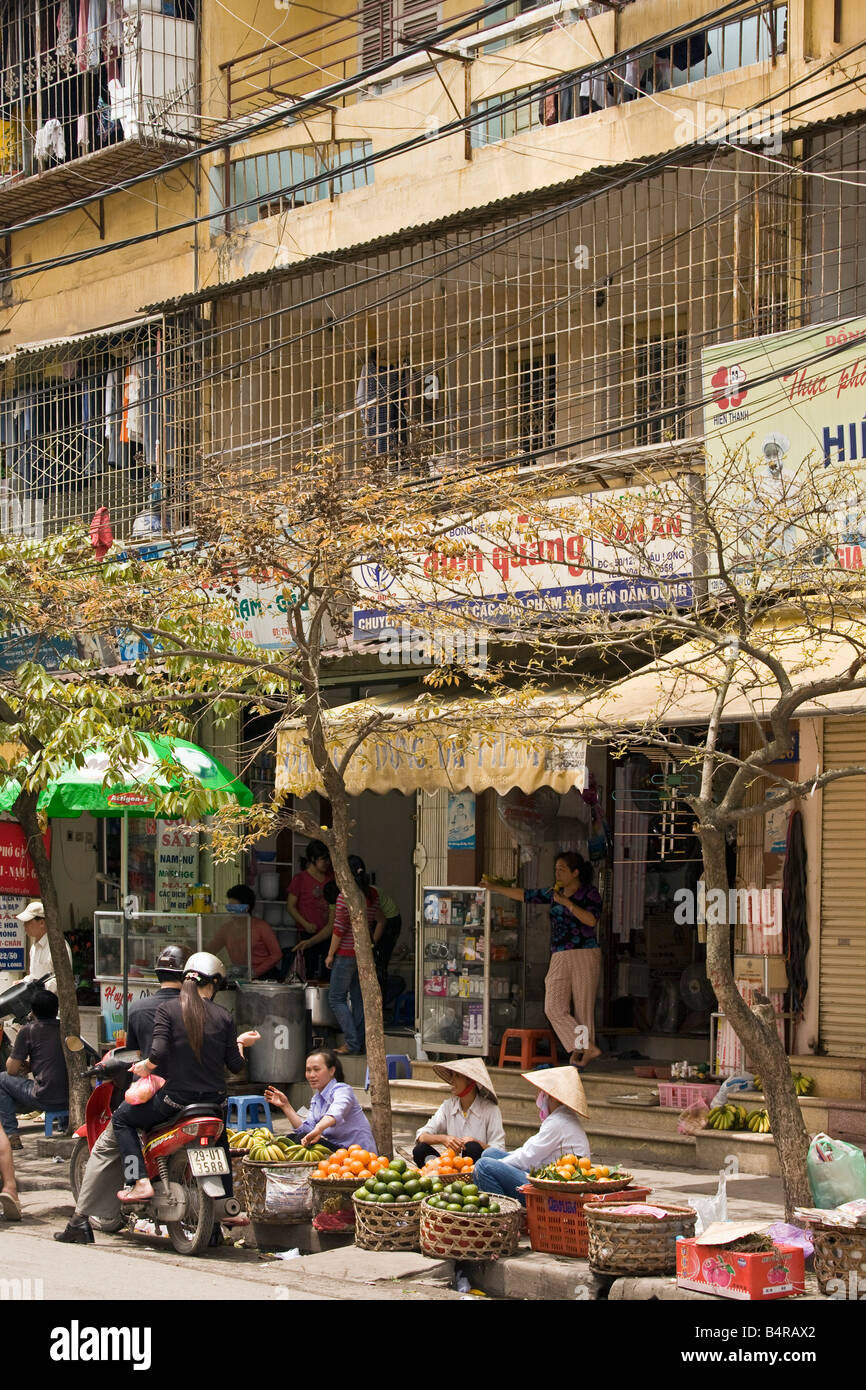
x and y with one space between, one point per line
74 1043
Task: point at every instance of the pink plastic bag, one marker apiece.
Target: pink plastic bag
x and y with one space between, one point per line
143 1089
694 1118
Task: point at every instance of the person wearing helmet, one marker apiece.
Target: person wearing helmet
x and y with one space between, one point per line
103 1174
193 1041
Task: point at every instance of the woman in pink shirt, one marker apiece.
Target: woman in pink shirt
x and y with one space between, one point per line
309 908
231 936
345 987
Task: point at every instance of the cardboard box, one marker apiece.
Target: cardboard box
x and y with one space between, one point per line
712 1268
753 968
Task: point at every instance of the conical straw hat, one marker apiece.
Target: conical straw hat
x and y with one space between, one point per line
564 1084
472 1068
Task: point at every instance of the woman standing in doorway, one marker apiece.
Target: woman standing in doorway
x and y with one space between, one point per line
310 909
575 955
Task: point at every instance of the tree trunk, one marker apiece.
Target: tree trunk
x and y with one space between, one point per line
70 1025
756 1030
374 1026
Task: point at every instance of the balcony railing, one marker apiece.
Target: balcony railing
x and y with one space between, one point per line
102 420
67 93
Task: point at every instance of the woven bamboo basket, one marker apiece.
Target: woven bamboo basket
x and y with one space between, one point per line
621 1243
254 1184
581 1188
387 1227
453 1235
838 1255
334 1198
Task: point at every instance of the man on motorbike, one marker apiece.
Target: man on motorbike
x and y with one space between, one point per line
104 1172
196 1038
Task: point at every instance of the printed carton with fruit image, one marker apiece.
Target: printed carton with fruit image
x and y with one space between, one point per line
720 1262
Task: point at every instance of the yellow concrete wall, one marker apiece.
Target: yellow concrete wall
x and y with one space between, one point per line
436 180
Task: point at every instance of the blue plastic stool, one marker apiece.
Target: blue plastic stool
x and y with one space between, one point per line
60 1118
394 1060
245 1111
404 1010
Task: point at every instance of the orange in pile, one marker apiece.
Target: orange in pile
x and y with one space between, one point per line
350 1165
448 1166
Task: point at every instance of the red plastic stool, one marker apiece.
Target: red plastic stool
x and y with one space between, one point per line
528 1039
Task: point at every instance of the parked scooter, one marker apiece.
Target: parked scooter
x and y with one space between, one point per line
15 1005
184 1161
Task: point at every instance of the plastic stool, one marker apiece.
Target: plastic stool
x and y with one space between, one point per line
60 1118
245 1110
528 1039
393 1060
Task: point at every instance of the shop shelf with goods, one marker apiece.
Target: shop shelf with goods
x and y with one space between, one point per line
129 949
471 970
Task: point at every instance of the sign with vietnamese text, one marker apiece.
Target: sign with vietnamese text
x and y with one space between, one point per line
610 551
17 874
12 935
177 846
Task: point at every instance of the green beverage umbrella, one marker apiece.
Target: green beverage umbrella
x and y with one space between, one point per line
161 767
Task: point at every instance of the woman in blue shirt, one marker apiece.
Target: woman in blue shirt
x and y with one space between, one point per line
575 955
336 1118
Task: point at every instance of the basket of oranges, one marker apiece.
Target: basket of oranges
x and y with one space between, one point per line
448 1167
569 1174
337 1177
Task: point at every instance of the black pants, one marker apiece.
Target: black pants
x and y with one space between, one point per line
384 947
129 1119
422 1152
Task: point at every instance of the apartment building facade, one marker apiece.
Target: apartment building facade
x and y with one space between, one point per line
418 237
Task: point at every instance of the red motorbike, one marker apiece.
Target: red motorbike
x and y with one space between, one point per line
183 1159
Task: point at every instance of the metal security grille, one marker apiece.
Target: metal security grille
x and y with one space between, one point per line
574 329
103 420
843 886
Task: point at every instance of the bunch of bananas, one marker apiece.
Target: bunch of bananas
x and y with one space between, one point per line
759 1122
803 1085
263 1146
727 1117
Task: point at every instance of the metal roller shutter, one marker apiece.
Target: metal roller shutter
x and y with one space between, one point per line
842 1006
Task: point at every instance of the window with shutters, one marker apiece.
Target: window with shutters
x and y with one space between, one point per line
388 26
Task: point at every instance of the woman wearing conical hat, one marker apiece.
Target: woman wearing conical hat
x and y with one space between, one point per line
469 1121
560 1101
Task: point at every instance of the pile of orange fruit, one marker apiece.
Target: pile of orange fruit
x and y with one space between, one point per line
448 1166
351 1165
568 1168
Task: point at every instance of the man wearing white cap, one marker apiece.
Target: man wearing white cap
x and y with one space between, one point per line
560 1101
33 919
469 1120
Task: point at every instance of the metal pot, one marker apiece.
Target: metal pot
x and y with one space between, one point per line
323 1015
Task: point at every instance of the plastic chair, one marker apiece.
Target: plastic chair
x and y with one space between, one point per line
245 1110
58 1118
394 1060
527 1040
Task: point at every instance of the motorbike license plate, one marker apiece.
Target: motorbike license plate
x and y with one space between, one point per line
207 1163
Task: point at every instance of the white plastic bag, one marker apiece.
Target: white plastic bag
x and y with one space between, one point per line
288 1195
740 1081
710 1209
837 1172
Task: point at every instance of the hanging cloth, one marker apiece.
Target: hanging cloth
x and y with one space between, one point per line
101 534
133 416
795 927
113 29
81 37
50 143
65 31
112 419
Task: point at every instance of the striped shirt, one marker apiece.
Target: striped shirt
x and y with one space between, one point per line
343 922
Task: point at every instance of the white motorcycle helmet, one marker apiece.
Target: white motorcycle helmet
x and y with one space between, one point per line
204 969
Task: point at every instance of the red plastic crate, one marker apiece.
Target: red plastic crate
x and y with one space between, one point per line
557 1224
677 1095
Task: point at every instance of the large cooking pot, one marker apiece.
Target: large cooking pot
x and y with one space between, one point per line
323 1015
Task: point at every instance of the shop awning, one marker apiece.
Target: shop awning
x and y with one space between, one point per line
681 687
414 739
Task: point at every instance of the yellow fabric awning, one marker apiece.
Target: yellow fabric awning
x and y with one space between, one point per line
424 741
681 687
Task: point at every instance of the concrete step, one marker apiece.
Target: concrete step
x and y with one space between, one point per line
842 1078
